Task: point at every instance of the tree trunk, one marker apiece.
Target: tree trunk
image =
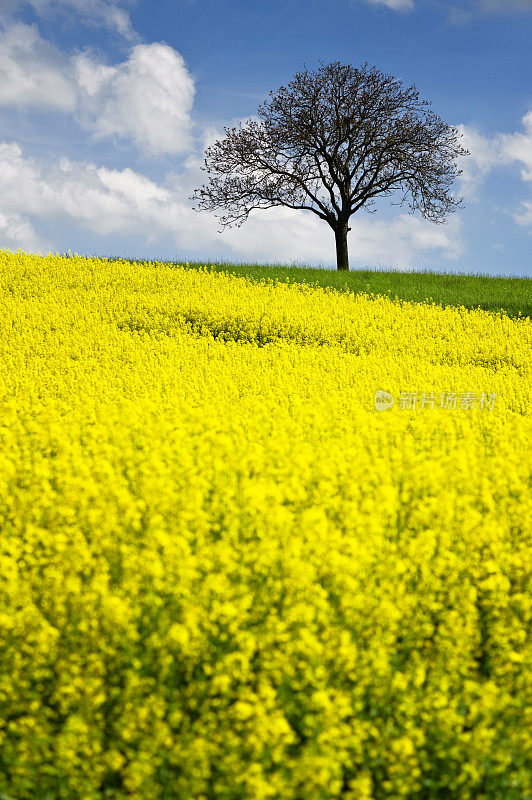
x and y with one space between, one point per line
342 257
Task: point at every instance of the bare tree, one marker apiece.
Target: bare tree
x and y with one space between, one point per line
331 142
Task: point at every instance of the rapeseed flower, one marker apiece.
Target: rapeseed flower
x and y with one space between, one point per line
225 574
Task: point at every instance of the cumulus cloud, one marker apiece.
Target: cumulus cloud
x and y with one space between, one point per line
491 152
33 72
517 147
17 232
97 199
111 202
525 216
147 99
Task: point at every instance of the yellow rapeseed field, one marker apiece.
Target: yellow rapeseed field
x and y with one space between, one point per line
224 574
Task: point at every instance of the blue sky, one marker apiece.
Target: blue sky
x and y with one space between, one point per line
106 108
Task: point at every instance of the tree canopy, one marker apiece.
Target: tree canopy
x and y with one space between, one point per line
331 142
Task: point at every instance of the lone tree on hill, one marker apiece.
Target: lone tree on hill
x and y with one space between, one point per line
331 142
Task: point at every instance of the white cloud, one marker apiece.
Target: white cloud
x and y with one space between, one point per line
518 147
17 232
100 200
137 189
123 202
490 152
33 72
483 156
146 99
91 12
525 218
283 235
403 241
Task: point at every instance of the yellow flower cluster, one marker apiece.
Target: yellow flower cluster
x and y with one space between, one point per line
224 574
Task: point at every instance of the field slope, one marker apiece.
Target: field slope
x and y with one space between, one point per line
224 574
513 295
